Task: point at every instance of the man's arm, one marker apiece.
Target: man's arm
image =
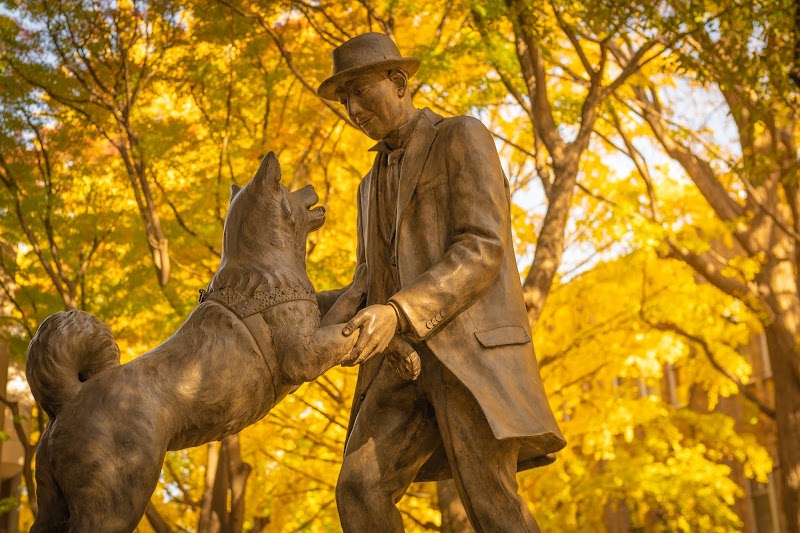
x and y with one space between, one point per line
326 299
480 218
340 305
480 224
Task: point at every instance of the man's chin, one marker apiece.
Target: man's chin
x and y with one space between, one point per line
373 133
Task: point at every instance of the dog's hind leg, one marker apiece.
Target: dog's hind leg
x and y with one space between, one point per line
108 471
53 515
116 501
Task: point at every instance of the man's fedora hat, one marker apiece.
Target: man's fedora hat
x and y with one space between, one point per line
369 52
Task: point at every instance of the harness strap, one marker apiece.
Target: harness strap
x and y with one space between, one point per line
248 309
261 333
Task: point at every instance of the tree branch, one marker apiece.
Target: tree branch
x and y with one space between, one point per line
29 449
287 57
22 321
530 58
698 170
10 183
746 392
157 521
587 65
730 286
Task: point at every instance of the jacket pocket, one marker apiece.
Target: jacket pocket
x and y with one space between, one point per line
502 336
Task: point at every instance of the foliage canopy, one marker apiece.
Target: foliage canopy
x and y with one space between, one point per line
650 150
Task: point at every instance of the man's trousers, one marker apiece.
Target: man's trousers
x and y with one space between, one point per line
400 424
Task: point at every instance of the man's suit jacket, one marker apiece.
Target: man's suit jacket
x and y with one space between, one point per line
460 288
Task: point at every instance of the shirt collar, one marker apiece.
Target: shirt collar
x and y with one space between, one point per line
398 138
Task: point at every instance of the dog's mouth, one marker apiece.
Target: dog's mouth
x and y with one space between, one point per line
316 217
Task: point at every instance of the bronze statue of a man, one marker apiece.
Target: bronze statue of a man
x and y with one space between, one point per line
436 265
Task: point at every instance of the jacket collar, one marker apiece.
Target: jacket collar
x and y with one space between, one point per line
417 150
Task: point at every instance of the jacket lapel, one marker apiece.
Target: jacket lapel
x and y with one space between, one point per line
414 159
419 146
370 214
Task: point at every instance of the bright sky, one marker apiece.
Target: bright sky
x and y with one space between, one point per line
703 110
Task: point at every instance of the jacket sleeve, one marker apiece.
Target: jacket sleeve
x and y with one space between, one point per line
342 304
480 219
327 299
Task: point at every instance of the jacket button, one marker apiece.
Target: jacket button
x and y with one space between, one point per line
443 312
438 317
429 324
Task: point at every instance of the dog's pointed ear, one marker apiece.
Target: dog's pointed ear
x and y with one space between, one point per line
268 174
234 191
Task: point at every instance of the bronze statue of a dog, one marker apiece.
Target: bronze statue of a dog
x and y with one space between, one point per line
253 339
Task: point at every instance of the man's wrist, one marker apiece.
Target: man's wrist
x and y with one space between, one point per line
402 322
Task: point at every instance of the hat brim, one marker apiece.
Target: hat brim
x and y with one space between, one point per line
327 89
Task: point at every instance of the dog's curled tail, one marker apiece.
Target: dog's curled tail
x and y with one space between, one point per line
68 348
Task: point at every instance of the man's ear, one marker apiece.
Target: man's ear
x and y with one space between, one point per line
400 79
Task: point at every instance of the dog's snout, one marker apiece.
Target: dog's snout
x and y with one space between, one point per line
310 196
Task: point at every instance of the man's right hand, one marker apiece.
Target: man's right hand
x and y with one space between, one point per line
377 324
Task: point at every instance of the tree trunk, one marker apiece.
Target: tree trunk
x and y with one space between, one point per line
156 521
223 503
208 522
156 240
784 353
238 472
219 498
777 278
550 243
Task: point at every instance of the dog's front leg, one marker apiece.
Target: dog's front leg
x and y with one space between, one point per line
324 349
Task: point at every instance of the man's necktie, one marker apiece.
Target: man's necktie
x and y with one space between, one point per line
395 156
393 183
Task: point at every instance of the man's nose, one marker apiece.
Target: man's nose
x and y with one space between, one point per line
353 108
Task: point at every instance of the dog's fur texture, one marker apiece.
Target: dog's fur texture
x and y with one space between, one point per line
110 426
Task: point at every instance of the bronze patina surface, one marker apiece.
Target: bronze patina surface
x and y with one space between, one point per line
436 267
253 339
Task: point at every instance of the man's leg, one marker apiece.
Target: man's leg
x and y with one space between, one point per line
484 468
393 435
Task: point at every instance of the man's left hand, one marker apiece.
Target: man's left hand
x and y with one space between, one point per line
377 325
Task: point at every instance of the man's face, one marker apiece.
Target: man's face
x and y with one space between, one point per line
373 103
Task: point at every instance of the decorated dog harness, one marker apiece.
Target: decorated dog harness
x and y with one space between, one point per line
249 308
244 306
402 356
